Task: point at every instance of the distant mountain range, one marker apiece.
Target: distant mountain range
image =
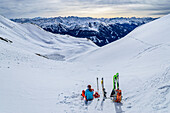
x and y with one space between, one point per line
37 41
100 30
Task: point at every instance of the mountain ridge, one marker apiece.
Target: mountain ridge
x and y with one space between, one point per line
100 30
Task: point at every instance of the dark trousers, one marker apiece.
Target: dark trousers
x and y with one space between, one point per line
87 102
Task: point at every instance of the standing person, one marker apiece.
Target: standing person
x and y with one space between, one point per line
88 94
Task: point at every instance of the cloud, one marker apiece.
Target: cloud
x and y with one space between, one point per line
94 8
156 8
161 13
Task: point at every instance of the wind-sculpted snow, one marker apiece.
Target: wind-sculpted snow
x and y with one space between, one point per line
33 84
100 30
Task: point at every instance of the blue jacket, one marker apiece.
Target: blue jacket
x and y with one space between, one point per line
88 94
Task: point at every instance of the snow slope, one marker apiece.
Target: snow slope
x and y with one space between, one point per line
34 39
142 58
33 84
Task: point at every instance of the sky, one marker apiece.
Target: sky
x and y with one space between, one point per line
84 8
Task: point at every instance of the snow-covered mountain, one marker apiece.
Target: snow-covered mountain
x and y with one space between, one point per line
36 40
142 58
100 30
33 84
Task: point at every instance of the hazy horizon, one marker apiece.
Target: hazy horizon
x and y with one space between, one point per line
82 17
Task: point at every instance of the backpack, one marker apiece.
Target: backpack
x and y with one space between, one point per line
89 94
118 95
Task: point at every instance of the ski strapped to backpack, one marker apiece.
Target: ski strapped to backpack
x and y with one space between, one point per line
116 93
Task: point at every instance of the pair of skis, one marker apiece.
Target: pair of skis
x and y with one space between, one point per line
104 94
103 89
116 93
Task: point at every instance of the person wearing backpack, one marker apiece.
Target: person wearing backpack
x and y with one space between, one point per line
88 94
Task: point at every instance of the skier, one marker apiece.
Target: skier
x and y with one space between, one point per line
88 94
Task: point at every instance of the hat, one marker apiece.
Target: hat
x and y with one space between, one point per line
89 86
